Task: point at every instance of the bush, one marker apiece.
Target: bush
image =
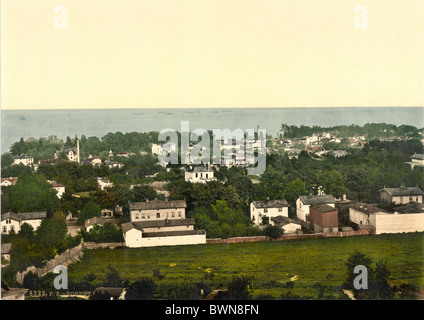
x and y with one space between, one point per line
273 232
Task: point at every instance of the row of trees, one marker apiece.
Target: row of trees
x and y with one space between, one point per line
373 130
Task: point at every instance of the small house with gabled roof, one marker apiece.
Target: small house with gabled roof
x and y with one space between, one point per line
401 195
303 204
262 212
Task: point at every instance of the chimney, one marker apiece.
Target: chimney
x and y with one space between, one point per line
78 151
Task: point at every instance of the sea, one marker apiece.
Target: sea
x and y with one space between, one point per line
99 122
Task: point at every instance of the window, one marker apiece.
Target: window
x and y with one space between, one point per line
4 229
410 198
173 214
266 210
197 175
280 209
12 227
401 199
137 216
416 198
143 216
158 215
206 175
179 214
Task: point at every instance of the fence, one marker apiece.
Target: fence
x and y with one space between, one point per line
65 258
291 236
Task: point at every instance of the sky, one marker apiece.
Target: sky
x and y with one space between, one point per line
211 53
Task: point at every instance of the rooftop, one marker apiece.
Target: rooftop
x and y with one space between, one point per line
417 156
140 225
323 208
24 215
317 199
6 248
367 207
157 204
403 191
270 203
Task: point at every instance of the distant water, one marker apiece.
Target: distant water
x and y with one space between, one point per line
98 122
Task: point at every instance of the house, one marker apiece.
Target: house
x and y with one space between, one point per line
60 188
404 218
417 159
7 182
12 293
104 183
262 212
288 225
165 232
304 202
199 173
401 195
72 153
6 249
94 161
95 221
113 164
157 210
323 218
46 161
23 159
111 293
12 221
163 149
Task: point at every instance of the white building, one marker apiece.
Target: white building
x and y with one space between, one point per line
264 211
157 210
199 173
401 195
417 159
162 233
95 221
22 159
404 218
12 221
104 183
113 164
60 188
94 161
7 182
303 204
72 153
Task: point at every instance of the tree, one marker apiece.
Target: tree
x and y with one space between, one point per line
332 183
143 289
90 210
32 193
240 288
112 277
6 160
52 232
294 189
273 232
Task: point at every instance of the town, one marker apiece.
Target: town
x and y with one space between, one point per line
117 192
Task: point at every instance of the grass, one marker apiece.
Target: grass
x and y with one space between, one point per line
272 264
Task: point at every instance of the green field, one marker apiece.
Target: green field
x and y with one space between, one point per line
271 264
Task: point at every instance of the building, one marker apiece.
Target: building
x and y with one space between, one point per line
22 159
60 188
199 173
12 221
157 210
94 161
113 164
401 195
304 202
404 218
323 218
72 153
262 212
6 249
12 293
288 225
417 159
94 221
7 182
104 183
165 232
111 293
